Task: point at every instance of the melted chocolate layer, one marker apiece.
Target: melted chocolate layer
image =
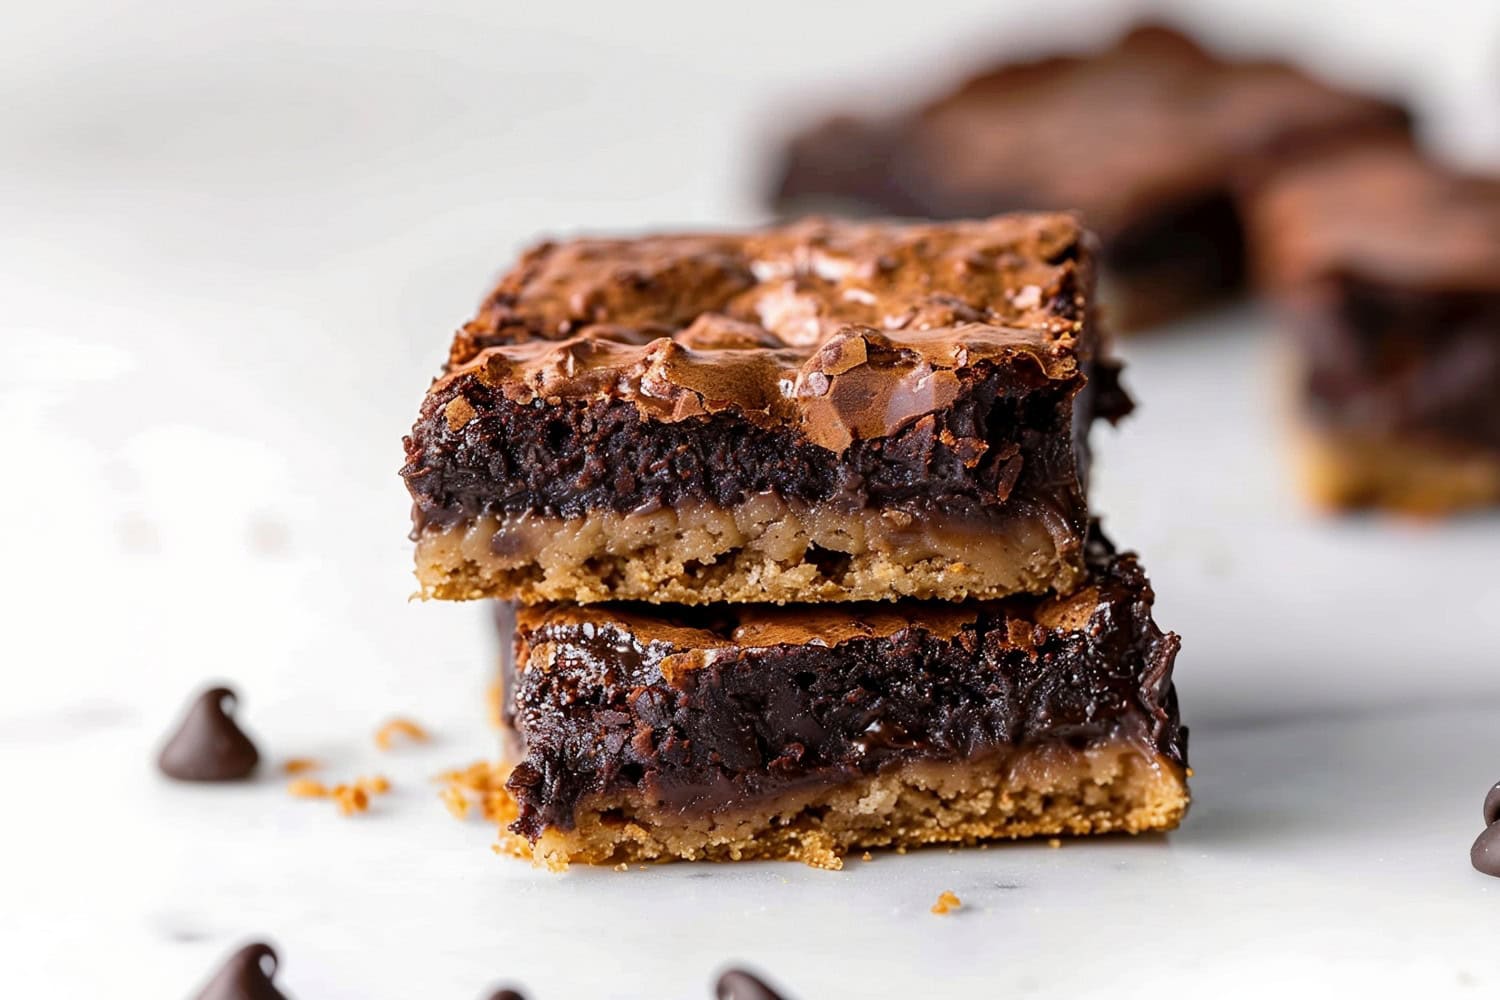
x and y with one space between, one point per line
729 706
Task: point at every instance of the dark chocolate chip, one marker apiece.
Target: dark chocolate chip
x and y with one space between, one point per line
506 994
1485 854
1492 806
737 984
208 745
246 976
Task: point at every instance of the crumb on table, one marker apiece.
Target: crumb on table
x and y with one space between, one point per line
375 784
946 901
457 803
385 736
300 765
351 799
307 788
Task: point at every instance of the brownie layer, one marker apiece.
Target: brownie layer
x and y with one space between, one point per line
862 368
1408 362
583 455
1151 139
697 712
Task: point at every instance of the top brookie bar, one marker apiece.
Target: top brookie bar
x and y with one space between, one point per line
1387 266
825 411
1149 139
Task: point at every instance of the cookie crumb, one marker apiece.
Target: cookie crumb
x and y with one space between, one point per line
385 736
300 765
351 799
308 788
1054 842
946 902
485 780
375 784
622 867
867 856
457 803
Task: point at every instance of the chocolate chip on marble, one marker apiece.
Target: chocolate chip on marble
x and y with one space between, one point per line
737 984
246 975
208 745
1492 806
1485 854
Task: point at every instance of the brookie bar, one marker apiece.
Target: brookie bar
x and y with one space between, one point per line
825 411
1150 139
1387 269
802 733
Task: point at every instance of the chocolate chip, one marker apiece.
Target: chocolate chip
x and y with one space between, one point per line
1492 806
737 984
208 745
246 976
1485 854
505 994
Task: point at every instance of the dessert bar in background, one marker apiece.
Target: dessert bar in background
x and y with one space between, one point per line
1151 139
802 733
827 411
1386 269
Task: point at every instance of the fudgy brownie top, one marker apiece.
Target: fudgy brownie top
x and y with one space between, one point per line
1380 213
1154 120
840 331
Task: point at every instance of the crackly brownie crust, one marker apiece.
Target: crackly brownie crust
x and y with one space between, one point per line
932 371
1150 139
698 713
1386 269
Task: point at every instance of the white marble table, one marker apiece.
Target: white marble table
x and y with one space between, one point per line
233 244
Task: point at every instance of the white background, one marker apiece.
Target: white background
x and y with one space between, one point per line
234 238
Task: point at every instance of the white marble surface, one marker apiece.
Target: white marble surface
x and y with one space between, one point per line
234 239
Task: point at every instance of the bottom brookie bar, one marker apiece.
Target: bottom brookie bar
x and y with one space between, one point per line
801 733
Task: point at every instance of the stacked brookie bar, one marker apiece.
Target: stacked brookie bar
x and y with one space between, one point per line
838 471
